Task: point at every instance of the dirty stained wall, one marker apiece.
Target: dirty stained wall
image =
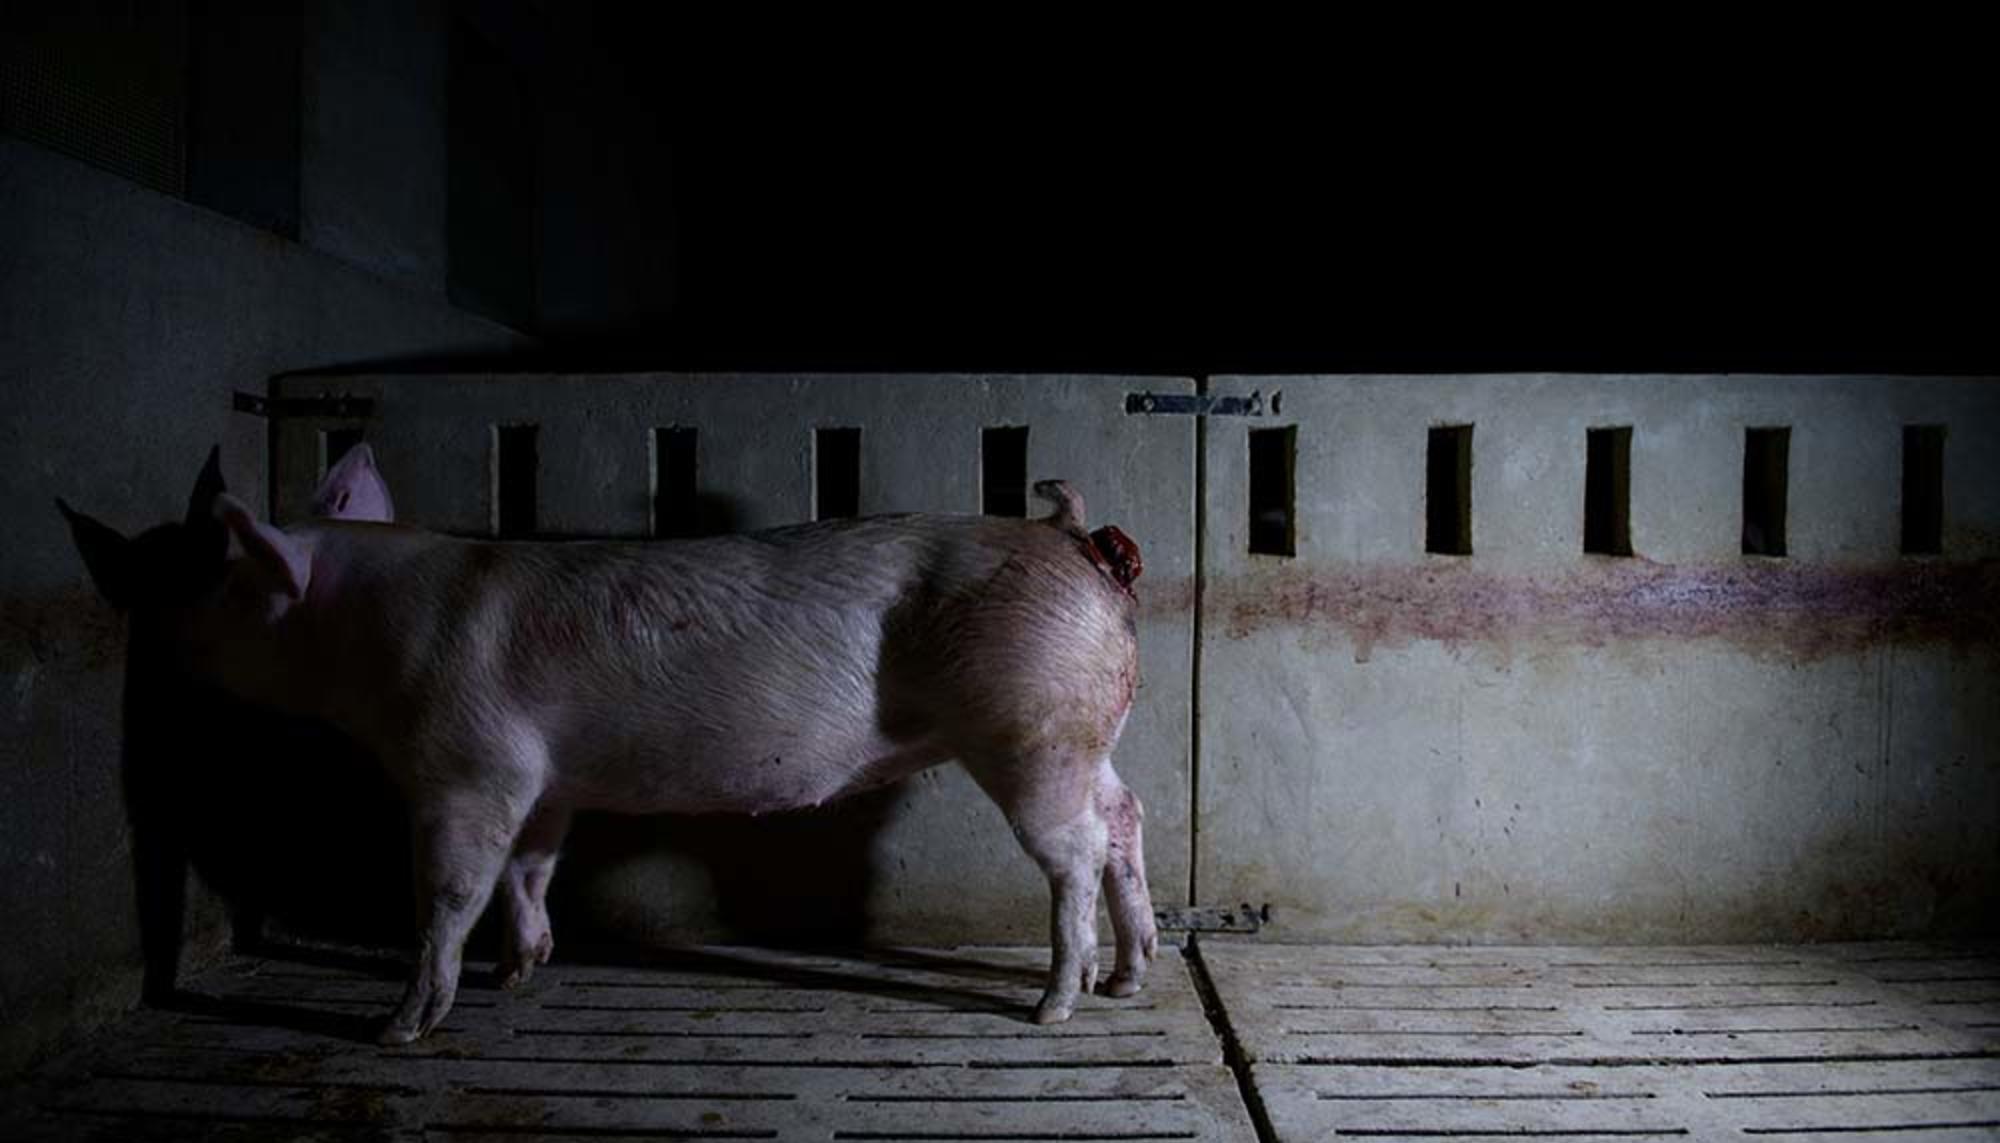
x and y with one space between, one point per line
1534 744
1527 743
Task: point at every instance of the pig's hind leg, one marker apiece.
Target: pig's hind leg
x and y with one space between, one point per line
1048 797
462 837
1131 904
529 939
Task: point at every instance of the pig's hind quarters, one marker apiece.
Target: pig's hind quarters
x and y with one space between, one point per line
1081 826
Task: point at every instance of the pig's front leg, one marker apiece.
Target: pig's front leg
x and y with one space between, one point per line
530 940
462 839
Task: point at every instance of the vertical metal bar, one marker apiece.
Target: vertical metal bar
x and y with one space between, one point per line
1194 688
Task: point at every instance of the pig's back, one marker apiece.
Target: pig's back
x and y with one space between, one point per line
773 670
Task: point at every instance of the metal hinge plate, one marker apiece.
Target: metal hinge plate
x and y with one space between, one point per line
1212 918
1198 404
341 406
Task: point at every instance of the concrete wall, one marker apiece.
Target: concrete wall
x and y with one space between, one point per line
126 320
1534 744
1528 743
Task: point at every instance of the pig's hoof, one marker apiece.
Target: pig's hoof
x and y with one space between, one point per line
1122 984
518 967
1052 1012
395 1036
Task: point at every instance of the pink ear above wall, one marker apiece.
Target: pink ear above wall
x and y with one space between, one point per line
354 490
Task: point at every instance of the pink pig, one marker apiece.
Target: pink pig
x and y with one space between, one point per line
506 685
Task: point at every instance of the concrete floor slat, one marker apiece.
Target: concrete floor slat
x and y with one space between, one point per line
904 1044
1886 1041
1714 1043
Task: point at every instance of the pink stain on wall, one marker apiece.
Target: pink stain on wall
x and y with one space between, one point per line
1794 610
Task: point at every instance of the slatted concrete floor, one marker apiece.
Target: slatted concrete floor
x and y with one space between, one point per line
713 1044
1834 1042
1885 1041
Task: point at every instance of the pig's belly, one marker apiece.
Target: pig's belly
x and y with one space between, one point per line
754 773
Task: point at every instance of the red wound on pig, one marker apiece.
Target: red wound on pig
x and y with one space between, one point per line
1117 554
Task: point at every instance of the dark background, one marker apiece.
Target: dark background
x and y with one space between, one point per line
645 188
1302 201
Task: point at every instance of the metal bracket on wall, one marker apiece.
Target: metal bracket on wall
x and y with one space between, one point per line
1199 404
340 406
1212 918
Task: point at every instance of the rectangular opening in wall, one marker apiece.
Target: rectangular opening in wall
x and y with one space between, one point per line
1766 453
1448 491
836 473
1923 490
1003 470
1607 492
1273 454
334 444
676 504
516 466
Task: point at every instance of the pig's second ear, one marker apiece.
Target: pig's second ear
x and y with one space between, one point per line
354 490
106 554
282 560
207 486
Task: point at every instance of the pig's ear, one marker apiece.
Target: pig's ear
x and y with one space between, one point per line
207 486
278 557
107 554
354 490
